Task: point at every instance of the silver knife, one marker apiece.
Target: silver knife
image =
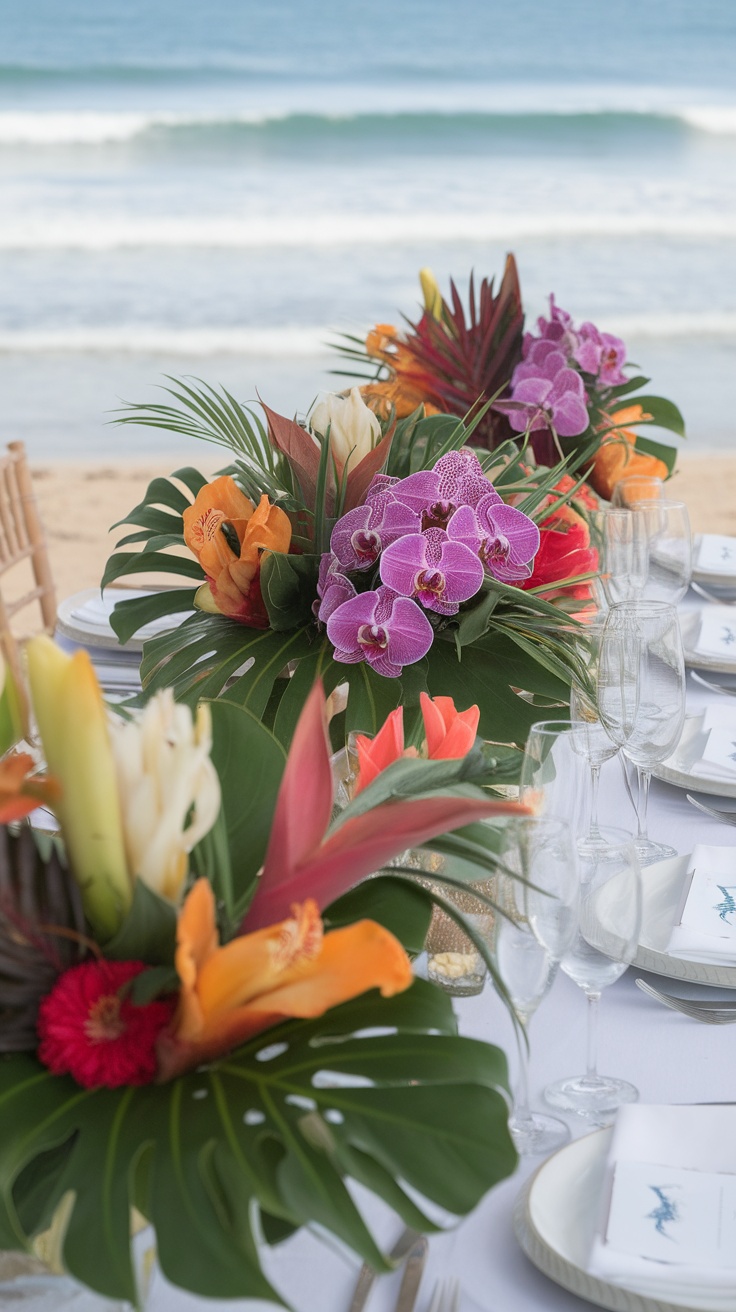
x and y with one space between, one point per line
367 1275
412 1277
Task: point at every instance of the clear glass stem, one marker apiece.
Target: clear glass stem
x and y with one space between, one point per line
645 778
522 1111
591 1070
594 833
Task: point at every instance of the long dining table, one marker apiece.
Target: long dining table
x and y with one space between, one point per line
670 1059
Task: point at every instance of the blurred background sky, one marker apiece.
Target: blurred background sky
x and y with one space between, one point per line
218 189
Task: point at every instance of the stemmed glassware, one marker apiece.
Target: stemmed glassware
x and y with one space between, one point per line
610 920
588 736
537 895
622 555
665 528
553 775
641 695
636 487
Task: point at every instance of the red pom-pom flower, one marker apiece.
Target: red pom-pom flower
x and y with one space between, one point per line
90 1029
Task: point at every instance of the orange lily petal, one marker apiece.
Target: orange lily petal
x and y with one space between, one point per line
450 734
288 969
375 754
20 791
217 503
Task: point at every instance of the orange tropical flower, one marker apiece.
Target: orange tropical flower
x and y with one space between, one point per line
406 389
449 734
617 458
232 586
293 968
20 790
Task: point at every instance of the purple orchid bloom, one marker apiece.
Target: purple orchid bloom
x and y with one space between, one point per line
332 588
613 357
382 628
456 480
545 359
432 568
558 401
505 539
359 537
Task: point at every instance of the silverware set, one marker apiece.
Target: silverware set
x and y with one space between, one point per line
411 1249
725 817
710 1012
712 687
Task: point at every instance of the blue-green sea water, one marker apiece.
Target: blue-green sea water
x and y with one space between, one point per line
218 188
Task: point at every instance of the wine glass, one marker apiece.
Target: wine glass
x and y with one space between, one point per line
620 541
641 695
589 737
535 925
665 527
553 775
636 487
608 933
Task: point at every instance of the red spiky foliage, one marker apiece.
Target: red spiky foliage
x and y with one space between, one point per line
462 359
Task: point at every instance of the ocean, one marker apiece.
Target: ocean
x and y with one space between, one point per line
219 190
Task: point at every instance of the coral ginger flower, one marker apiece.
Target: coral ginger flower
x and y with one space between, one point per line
232 586
256 980
449 734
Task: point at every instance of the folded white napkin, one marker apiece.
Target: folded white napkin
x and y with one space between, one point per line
718 759
716 555
692 1138
707 928
717 634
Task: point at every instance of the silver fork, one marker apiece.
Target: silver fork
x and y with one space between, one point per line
726 817
446 1296
711 1013
712 687
711 596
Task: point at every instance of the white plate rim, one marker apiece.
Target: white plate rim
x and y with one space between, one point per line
671 774
562 1271
673 967
694 660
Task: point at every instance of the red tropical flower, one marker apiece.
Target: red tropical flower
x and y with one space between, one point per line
90 1029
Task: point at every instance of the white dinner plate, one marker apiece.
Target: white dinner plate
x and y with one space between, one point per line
554 1221
662 887
712 578
84 618
690 627
678 768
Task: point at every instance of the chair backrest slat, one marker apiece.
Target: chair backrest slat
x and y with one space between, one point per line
22 539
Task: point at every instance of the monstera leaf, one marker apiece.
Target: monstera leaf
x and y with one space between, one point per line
280 1125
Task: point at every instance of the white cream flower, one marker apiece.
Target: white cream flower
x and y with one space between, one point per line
169 789
354 429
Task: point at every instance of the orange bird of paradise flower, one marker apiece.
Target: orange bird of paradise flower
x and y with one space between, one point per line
228 994
304 860
233 586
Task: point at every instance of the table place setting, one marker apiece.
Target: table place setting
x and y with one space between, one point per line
714 560
640 1217
709 638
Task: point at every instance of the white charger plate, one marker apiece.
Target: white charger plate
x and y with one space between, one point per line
678 768
712 578
690 627
84 618
554 1221
662 888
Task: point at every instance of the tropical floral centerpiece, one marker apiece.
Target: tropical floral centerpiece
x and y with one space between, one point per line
383 555
201 1016
565 385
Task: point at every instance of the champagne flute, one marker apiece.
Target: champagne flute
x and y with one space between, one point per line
589 737
620 541
553 774
636 487
535 925
641 696
665 527
608 933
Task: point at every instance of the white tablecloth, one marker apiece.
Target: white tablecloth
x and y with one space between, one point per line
669 1059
